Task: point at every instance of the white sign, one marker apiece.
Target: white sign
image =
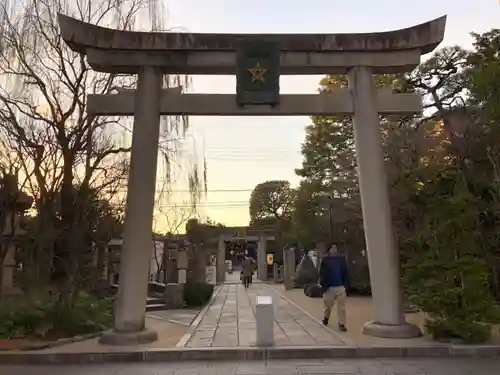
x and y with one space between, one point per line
264 300
181 276
314 257
210 275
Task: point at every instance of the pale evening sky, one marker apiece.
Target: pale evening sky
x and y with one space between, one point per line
244 151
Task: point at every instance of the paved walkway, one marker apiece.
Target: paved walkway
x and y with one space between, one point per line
234 278
289 367
230 321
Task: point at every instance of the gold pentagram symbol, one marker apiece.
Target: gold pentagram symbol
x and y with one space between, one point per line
257 73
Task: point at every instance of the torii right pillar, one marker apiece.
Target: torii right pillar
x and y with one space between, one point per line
383 256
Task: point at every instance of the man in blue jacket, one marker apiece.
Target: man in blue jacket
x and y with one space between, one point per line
333 280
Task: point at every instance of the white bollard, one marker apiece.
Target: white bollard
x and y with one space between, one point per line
264 315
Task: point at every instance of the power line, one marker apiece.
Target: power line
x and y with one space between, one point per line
271 149
202 127
252 155
201 190
253 150
271 157
208 206
246 152
213 207
236 190
226 203
248 160
214 191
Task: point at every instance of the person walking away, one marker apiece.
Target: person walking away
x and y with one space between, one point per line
254 269
333 280
247 268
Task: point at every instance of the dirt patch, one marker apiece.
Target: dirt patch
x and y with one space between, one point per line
14 344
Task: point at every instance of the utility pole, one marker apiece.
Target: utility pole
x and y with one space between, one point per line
328 199
330 218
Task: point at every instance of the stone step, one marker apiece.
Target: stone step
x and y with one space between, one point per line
156 307
155 300
124 354
155 295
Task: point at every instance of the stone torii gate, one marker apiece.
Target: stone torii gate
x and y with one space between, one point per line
261 254
150 55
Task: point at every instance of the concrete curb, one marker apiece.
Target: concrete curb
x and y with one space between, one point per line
197 320
248 354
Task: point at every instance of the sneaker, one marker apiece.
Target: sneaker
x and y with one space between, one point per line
325 321
342 328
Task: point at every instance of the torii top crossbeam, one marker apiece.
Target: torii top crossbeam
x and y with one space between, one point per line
111 50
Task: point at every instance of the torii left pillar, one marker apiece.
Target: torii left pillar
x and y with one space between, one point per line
262 258
130 312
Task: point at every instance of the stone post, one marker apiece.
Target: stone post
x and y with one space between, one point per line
221 261
289 267
264 317
383 256
261 259
182 266
130 312
276 273
9 268
321 251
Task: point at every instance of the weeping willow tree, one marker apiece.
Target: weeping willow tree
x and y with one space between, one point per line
63 153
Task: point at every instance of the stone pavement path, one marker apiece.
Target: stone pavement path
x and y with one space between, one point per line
234 278
230 321
288 367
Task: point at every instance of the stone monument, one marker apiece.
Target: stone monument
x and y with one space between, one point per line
306 272
174 291
197 261
14 203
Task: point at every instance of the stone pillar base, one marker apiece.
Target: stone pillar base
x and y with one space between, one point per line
389 331
128 338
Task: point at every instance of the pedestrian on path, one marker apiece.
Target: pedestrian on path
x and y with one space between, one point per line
254 268
333 280
247 268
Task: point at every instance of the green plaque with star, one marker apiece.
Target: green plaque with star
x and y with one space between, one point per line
258 73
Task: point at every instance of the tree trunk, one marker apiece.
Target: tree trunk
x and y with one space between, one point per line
164 262
63 265
1 278
495 282
101 260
